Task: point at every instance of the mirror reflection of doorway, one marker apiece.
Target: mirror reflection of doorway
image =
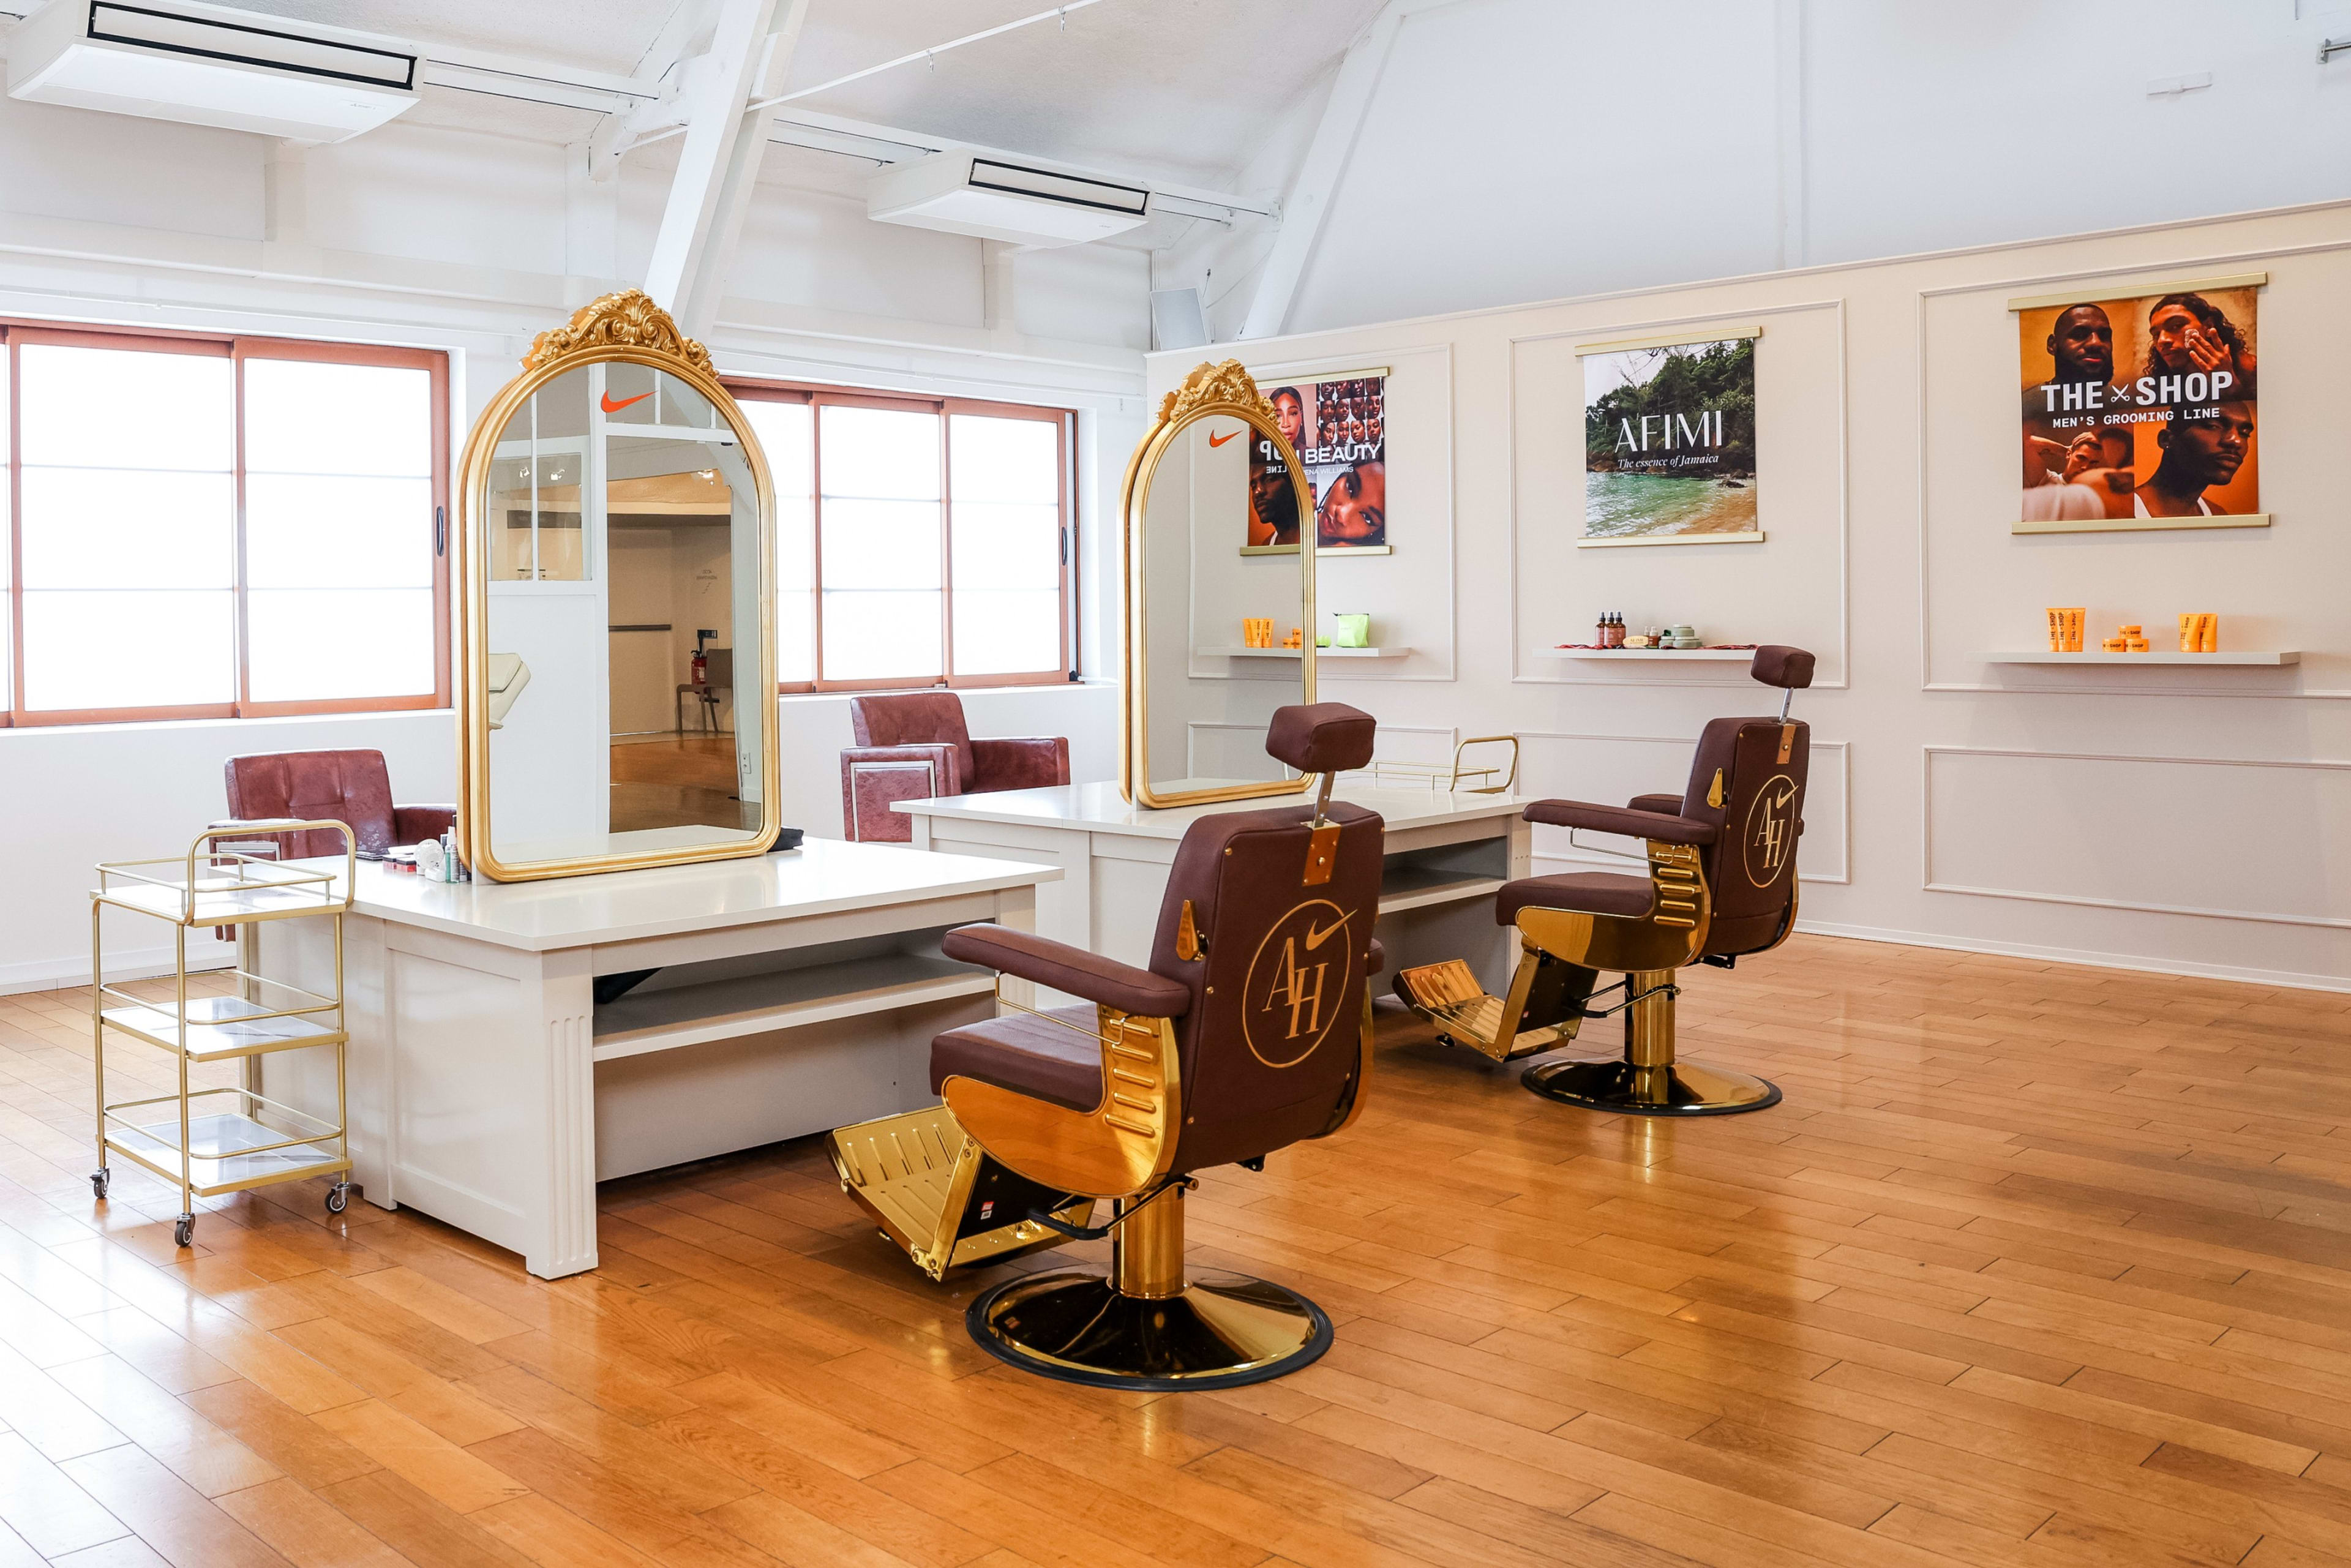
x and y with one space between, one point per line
673 759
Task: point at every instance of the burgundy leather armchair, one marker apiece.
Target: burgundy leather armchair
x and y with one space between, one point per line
913 746
350 787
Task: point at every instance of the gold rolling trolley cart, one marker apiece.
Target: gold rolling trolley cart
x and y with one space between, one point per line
208 1151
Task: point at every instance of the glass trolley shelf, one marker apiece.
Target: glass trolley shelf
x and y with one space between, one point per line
226 1152
221 1027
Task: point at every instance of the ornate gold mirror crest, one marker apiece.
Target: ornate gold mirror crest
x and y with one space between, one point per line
1208 594
615 571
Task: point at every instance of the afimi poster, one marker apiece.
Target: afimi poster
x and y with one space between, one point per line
1338 425
2140 409
1670 441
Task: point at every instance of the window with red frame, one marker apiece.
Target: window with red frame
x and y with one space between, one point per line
206 528
920 542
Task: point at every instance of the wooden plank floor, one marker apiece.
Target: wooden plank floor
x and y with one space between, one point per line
2036 1265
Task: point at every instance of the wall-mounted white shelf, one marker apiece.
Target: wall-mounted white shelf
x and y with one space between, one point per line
2288 656
1682 655
1293 653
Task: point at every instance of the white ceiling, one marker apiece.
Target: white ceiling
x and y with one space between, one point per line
1180 89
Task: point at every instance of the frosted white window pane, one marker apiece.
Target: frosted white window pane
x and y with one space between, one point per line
796 544
999 633
1004 459
794 588
308 531
339 642
796 636
304 417
787 435
880 544
88 527
1007 546
880 453
117 408
140 649
881 637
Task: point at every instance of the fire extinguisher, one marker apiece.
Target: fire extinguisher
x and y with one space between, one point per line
701 668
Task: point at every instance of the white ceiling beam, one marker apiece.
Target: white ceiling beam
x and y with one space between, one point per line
711 192
1318 177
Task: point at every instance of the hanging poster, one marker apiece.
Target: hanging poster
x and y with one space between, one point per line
1338 425
1670 441
2139 412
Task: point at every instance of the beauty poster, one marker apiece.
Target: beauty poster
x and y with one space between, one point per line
2139 409
1669 442
1338 428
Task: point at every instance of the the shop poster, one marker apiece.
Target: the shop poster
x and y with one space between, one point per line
1669 441
1339 427
2139 412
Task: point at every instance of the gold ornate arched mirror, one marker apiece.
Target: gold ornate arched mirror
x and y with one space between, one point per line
1215 584
615 551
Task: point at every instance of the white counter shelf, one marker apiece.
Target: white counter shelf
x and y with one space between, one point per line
664 1019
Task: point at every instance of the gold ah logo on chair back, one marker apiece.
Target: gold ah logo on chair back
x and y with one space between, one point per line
1770 836
1296 983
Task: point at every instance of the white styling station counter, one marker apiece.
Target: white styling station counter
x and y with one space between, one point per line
1447 853
797 992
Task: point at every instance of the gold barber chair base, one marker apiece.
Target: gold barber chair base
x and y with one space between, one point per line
937 1194
1221 1330
1666 1089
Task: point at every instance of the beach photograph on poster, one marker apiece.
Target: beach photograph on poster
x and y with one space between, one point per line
1337 427
1669 442
2139 408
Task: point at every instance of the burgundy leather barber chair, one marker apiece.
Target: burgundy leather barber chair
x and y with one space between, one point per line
1720 886
350 787
913 746
1249 1030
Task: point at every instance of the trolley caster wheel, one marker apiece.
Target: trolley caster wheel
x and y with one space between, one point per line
338 1197
183 1234
100 1180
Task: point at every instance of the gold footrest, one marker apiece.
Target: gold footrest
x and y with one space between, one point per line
1448 995
936 1192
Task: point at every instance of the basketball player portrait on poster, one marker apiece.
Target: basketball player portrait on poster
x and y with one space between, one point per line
1337 427
2140 411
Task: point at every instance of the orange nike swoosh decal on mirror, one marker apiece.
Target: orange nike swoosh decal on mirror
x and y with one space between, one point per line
611 407
1215 440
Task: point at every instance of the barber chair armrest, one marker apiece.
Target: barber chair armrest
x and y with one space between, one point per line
1024 762
1105 982
1664 805
1657 825
414 824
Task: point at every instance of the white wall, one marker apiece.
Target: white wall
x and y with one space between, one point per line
440 239
1523 150
2186 820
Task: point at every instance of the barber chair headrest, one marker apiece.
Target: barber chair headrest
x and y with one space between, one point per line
1775 666
1320 737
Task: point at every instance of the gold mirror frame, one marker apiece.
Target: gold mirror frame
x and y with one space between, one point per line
1212 391
626 327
